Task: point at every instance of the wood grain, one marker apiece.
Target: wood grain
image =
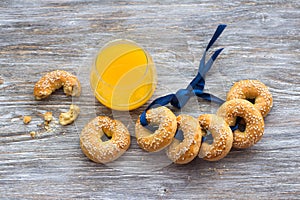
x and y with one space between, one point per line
261 42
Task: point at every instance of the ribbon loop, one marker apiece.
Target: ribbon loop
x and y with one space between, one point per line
161 101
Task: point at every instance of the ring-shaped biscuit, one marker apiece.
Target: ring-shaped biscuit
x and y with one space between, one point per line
104 151
182 152
254 122
222 137
255 90
55 80
162 137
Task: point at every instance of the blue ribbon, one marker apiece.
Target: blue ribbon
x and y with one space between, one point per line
196 86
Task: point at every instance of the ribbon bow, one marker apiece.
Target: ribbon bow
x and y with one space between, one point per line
196 86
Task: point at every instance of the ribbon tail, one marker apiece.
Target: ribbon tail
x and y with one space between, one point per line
202 65
216 35
211 61
198 82
214 38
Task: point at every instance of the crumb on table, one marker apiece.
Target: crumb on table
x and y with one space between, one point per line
70 116
48 117
26 119
32 134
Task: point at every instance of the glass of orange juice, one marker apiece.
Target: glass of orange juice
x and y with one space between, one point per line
123 76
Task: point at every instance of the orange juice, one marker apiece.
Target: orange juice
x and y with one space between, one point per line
123 76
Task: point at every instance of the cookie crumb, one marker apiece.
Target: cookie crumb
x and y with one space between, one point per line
26 119
47 127
70 116
48 117
32 134
220 171
40 125
189 178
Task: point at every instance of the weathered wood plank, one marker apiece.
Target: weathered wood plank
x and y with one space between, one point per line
261 41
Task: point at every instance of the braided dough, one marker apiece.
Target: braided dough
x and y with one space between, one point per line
221 134
96 149
185 151
252 89
55 80
163 136
254 130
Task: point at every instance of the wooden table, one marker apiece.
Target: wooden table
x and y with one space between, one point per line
261 42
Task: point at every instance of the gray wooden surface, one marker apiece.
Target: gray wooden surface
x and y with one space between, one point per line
261 41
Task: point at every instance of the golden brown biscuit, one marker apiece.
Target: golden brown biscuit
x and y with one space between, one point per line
104 151
182 152
222 137
255 90
254 130
55 80
163 136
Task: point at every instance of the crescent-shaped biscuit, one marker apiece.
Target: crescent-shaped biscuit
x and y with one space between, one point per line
55 80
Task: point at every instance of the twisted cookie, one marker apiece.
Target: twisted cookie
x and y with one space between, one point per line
55 80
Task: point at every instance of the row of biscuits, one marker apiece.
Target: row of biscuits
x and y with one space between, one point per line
182 152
